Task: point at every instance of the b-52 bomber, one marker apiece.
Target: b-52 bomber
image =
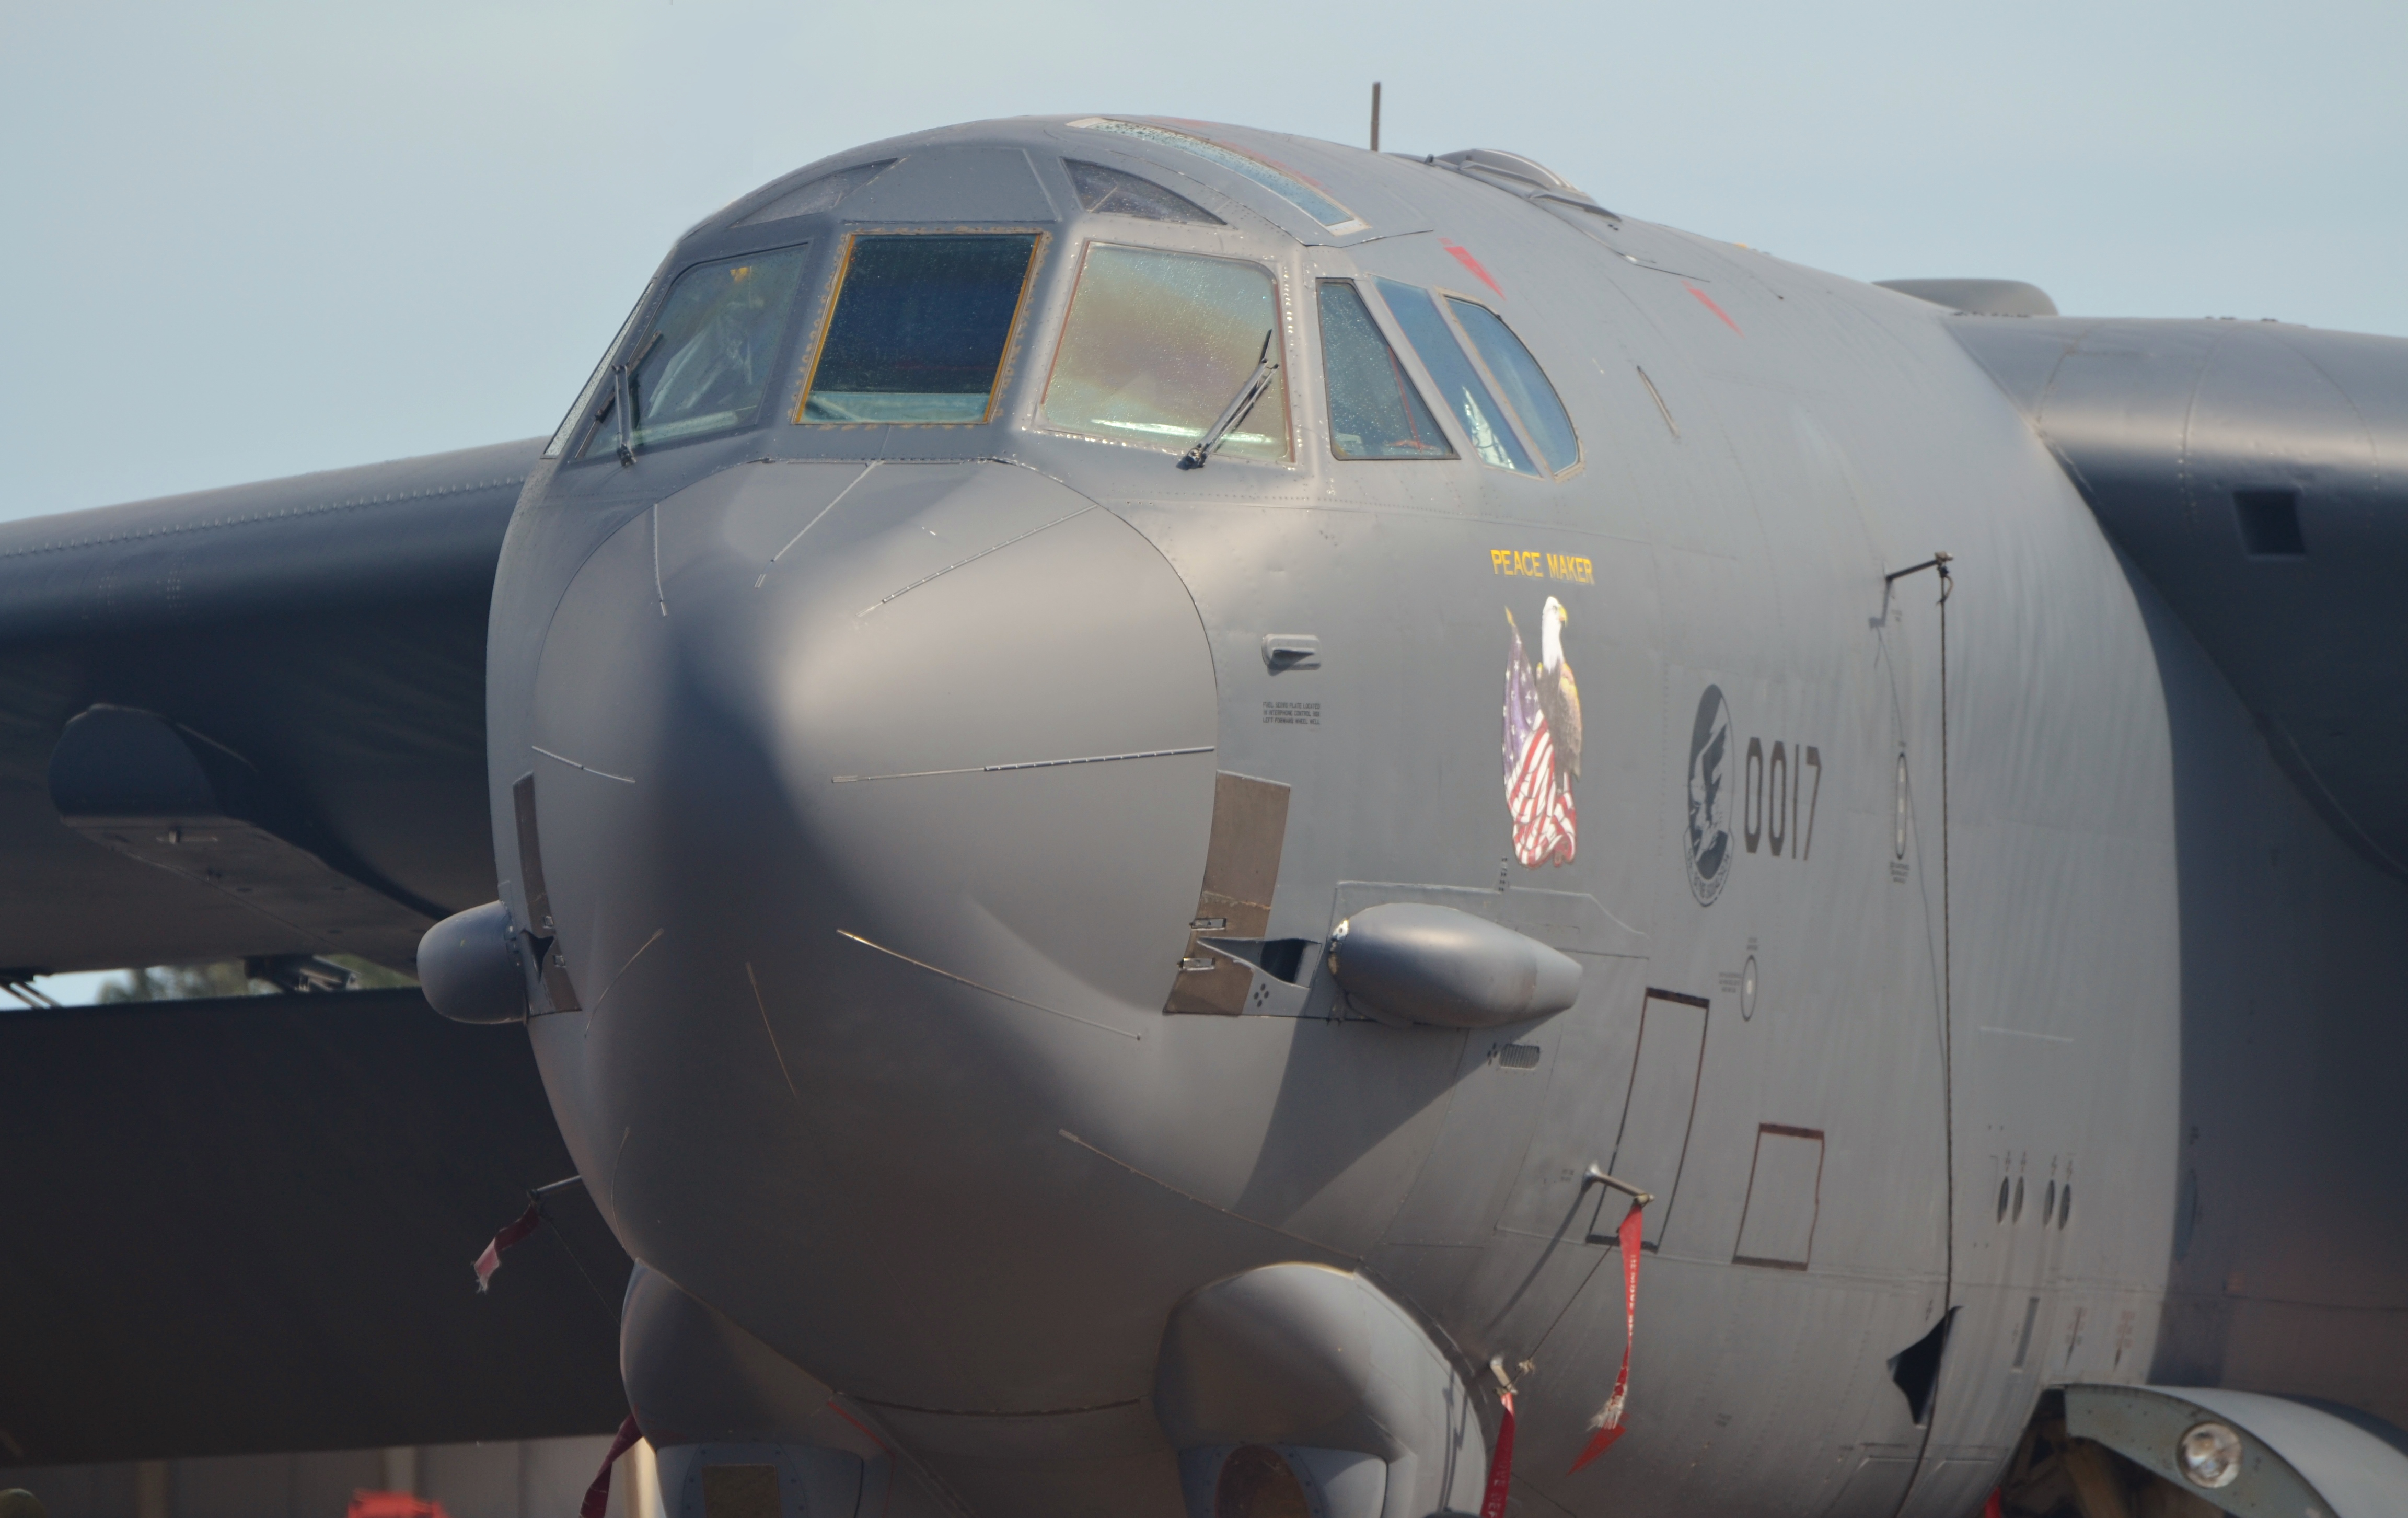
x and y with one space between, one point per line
1152 797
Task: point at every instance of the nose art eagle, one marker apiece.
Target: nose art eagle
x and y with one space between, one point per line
1542 743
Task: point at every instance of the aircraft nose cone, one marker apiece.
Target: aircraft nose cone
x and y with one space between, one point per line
872 806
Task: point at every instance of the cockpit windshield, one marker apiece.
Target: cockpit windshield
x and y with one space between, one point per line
706 364
1158 344
920 327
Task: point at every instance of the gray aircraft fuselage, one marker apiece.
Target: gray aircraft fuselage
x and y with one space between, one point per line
2058 1009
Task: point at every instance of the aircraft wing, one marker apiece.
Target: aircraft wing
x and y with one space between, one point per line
250 721
286 746
2256 473
247 1225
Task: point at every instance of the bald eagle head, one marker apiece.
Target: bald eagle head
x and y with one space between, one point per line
1551 621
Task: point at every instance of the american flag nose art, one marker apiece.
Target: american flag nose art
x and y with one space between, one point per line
1540 766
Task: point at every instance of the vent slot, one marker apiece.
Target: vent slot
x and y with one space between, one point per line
2269 523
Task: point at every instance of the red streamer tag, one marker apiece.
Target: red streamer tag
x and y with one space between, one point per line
512 1233
1500 1466
1608 1422
597 1496
1996 1507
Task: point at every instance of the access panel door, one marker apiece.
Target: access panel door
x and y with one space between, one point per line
1654 1142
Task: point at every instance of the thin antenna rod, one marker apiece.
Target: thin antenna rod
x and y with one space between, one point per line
1375 115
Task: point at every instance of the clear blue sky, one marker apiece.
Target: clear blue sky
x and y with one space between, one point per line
247 240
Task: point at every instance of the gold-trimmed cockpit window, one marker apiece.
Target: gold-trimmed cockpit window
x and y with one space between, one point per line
919 326
1158 345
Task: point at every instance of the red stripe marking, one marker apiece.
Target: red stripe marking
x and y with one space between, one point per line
1712 307
1463 256
838 1407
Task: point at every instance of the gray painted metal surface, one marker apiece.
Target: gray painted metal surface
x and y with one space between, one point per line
929 835
1978 297
2253 471
1314 1359
470 967
2296 1460
1417 963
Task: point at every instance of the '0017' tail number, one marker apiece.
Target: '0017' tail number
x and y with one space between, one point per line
1777 802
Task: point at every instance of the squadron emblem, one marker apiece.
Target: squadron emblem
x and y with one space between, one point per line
1542 743
1707 840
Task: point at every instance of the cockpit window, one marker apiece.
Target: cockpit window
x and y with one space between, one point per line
1375 410
920 327
1526 386
1158 345
1271 176
1491 432
1112 192
706 364
820 194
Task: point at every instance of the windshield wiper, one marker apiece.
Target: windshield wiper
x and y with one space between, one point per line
626 411
622 376
1236 411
